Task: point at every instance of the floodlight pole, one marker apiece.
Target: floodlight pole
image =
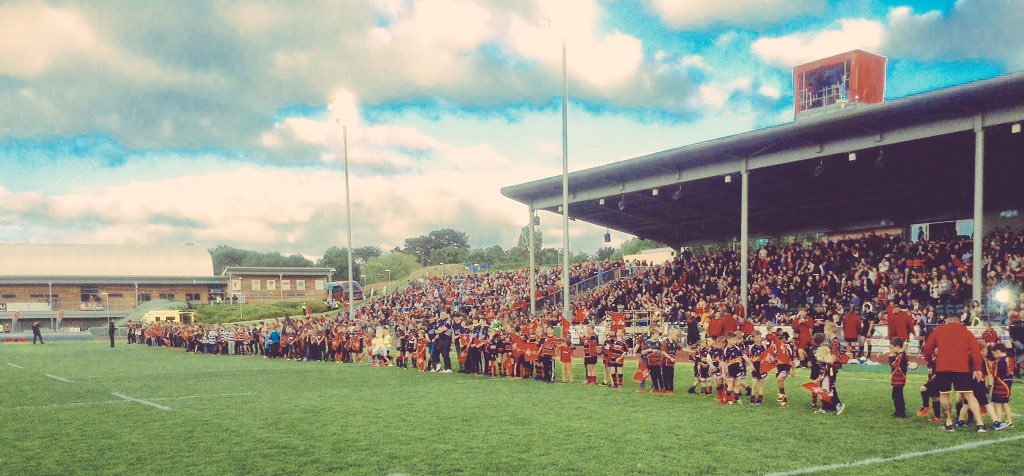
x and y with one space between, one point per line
744 232
533 266
565 186
977 285
348 218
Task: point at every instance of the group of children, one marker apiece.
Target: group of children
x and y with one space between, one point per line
992 392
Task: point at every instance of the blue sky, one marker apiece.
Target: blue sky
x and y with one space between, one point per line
209 122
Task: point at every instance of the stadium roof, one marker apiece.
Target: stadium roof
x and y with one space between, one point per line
926 143
104 261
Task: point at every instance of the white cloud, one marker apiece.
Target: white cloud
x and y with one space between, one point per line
703 14
974 29
802 47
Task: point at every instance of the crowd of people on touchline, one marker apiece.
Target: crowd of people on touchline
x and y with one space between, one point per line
831 295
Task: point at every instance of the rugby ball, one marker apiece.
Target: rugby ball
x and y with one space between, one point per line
912 366
862 360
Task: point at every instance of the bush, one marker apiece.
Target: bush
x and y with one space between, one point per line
225 313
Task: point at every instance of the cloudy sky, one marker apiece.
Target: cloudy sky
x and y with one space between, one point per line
208 122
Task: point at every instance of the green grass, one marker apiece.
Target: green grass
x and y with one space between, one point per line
226 313
282 417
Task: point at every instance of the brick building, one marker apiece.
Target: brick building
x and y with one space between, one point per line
88 283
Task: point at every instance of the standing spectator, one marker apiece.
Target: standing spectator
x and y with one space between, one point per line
853 325
901 324
111 330
955 355
36 334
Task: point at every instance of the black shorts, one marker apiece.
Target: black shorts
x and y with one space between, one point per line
959 381
614 365
736 371
931 390
815 372
980 392
756 373
783 369
590 361
851 341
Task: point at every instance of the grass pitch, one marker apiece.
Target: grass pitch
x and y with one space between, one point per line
139 410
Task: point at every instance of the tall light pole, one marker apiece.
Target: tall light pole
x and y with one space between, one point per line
348 217
565 186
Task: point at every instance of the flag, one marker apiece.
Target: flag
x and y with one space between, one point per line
642 373
815 389
580 317
532 351
618 321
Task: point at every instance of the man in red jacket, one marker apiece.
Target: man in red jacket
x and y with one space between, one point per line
955 355
852 327
901 324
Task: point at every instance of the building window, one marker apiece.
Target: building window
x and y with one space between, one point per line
286 285
167 296
115 295
319 284
145 297
300 284
236 284
271 285
192 297
255 285
8 296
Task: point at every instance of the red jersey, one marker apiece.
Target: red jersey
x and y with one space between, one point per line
616 350
901 325
565 354
549 346
715 328
958 350
852 326
990 336
729 324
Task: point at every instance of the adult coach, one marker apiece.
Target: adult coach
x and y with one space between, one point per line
443 345
901 324
36 334
111 330
956 357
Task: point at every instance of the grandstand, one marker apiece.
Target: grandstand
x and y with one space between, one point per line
850 169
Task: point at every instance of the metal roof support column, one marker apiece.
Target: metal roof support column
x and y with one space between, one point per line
979 192
744 238
533 266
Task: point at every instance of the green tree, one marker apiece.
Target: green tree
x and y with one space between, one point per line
337 259
446 237
637 245
400 264
605 253
366 253
524 240
448 255
420 247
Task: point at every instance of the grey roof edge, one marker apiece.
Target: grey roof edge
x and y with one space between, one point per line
975 94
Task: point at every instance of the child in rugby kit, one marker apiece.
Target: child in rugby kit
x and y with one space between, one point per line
898 364
565 357
756 353
1002 387
782 354
616 355
669 348
735 368
650 351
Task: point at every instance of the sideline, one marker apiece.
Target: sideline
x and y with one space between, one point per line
143 402
57 377
15 365
110 402
904 456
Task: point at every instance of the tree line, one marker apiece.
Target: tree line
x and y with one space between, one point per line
444 246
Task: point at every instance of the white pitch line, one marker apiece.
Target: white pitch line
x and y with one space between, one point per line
57 377
144 402
15 365
904 456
